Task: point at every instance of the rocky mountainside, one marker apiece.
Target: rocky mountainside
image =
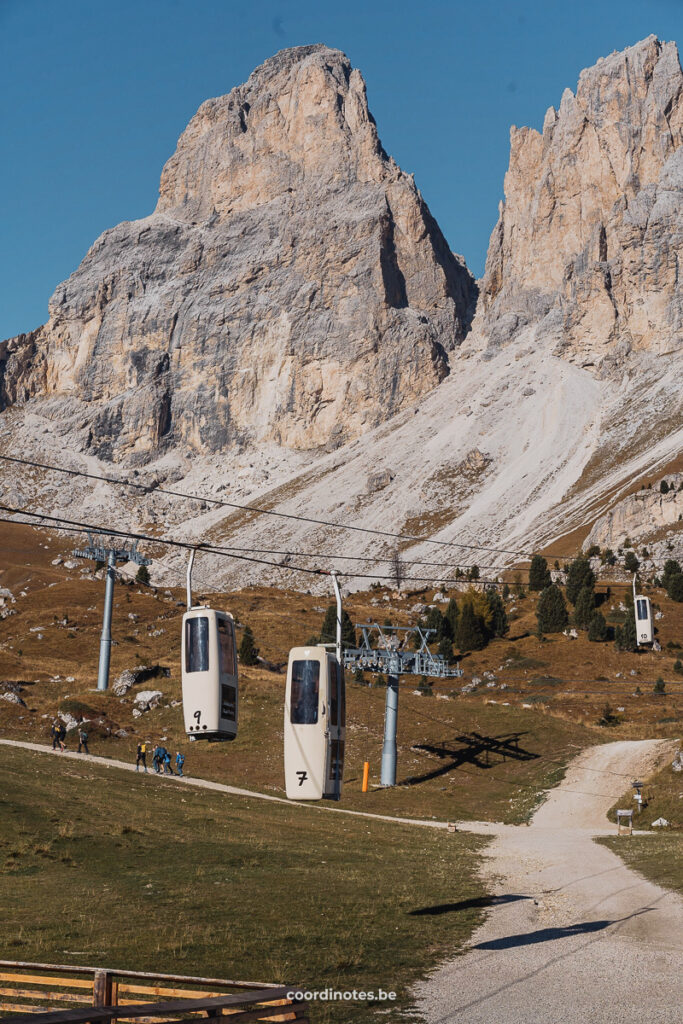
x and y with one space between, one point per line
291 285
589 236
280 331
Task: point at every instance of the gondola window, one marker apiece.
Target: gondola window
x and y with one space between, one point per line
197 644
305 687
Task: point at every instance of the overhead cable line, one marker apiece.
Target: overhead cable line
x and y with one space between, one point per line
228 552
266 511
287 515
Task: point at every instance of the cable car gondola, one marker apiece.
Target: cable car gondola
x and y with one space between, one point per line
315 724
315 719
642 608
209 671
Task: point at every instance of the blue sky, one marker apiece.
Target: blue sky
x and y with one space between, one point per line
94 94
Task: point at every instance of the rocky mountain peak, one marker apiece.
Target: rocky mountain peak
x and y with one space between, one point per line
588 204
291 285
301 115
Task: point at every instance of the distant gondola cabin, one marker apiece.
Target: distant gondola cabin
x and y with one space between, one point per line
643 612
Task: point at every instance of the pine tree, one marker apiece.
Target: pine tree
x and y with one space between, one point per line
675 587
539 573
435 622
471 632
664 487
584 607
248 649
625 638
551 610
671 568
597 628
452 613
631 563
328 632
142 575
579 575
445 648
499 624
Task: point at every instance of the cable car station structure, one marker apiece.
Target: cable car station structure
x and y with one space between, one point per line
391 656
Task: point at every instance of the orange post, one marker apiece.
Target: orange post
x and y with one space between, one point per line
366 773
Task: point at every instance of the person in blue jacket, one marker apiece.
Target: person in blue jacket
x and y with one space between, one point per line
179 762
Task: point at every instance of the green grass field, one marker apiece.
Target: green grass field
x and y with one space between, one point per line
660 856
106 868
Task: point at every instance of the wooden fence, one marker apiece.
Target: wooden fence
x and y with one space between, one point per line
52 994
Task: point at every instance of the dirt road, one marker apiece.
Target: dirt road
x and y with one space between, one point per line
573 936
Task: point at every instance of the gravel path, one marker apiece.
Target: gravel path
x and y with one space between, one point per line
185 780
573 936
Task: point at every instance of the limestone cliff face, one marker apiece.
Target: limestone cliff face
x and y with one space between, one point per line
590 235
291 285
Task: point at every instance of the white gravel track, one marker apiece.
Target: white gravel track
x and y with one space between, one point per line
576 937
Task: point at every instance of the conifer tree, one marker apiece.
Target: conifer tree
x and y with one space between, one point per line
470 634
328 633
597 628
142 575
452 613
626 638
551 610
584 607
631 563
248 649
579 575
445 648
675 587
499 624
539 573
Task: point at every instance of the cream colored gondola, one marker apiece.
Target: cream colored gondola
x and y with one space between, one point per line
642 608
315 720
209 671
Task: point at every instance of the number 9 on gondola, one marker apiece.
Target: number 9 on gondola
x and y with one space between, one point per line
209 675
315 725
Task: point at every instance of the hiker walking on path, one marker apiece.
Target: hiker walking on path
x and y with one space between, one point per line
156 759
54 732
141 757
179 762
62 736
82 741
167 763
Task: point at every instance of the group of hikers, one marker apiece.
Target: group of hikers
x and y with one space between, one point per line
161 757
58 733
161 760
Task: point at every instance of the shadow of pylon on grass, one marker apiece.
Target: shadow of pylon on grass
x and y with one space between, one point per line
476 749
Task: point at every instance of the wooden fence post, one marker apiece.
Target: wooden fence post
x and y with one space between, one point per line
101 988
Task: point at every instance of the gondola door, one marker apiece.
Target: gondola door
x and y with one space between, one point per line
334 768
